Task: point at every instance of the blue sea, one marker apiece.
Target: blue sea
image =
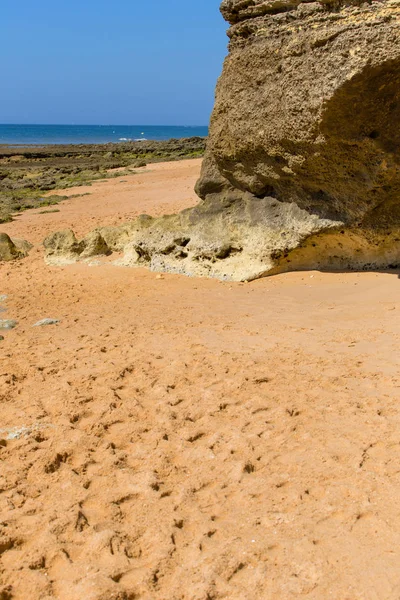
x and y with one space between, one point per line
93 134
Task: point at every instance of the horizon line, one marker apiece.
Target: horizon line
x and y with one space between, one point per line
103 125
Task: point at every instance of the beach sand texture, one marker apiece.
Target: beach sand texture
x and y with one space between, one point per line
186 439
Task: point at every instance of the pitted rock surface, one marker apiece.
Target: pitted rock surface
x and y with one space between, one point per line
302 167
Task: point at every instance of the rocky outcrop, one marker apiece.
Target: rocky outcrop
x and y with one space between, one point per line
302 167
11 249
62 247
306 112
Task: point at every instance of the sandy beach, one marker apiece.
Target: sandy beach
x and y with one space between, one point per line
175 438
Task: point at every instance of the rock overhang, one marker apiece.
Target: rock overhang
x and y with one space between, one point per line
302 166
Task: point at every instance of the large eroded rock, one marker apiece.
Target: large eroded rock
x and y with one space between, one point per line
302 168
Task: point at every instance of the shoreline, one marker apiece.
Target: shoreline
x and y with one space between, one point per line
29 173
168 145
47 145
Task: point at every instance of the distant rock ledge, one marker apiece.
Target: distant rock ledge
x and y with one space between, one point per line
302 169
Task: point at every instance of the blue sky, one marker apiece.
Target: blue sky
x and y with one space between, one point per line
102 62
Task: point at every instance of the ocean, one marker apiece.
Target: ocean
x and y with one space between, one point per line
93 134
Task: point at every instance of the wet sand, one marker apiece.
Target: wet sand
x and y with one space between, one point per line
186 439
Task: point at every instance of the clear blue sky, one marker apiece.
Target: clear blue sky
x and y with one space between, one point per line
103 62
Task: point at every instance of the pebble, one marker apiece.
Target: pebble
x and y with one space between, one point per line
46 322
3 297
1 338
15 432
8 323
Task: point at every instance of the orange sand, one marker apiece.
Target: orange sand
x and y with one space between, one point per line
185 439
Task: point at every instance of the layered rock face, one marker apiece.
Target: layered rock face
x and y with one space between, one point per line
302 168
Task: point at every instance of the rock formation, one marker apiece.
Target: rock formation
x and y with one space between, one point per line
302 167
10 249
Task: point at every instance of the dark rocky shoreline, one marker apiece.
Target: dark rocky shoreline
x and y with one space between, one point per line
27 172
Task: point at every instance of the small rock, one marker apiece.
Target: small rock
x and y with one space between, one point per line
94 245
8 250
3 297
1 338
8 323
11 249
62 243
46 322
159 277
16 432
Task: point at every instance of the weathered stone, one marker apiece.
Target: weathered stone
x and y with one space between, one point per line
62 245
303 161
305 113
44 322
11 249
8 323
94 245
